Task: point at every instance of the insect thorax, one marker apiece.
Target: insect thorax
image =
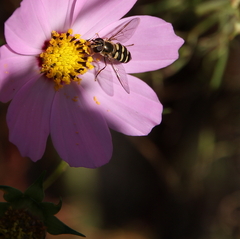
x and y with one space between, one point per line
108 47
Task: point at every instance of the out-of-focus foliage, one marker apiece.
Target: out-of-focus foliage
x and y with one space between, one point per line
208 28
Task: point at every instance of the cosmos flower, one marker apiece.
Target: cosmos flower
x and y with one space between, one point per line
48 70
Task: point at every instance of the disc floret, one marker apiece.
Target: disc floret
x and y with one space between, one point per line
66 57
21 224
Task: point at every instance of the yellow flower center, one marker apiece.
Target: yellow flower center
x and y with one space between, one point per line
65 58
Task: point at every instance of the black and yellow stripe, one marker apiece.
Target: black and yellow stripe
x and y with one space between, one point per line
121 53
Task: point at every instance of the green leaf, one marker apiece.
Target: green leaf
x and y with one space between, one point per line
10 194
51 208
35 191
56 227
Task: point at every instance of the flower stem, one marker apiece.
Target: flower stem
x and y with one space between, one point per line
62 166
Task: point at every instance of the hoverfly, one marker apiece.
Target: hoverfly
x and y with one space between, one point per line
114 54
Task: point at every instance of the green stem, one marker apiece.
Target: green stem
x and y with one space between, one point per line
62 166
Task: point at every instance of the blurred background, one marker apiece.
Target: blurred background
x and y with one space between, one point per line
183 179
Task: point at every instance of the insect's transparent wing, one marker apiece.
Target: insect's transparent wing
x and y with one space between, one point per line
124 31
120 73
113 72
104 78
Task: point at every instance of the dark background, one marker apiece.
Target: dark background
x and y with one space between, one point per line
183 180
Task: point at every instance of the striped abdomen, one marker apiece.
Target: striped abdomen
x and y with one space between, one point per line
121 53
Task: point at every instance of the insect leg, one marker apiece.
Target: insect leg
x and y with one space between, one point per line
101 69
129 45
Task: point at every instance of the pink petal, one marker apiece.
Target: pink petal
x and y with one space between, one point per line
31 24
95 15
79 133
132 114
61 13
15 71
78 5
155 44
28 117
28 28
